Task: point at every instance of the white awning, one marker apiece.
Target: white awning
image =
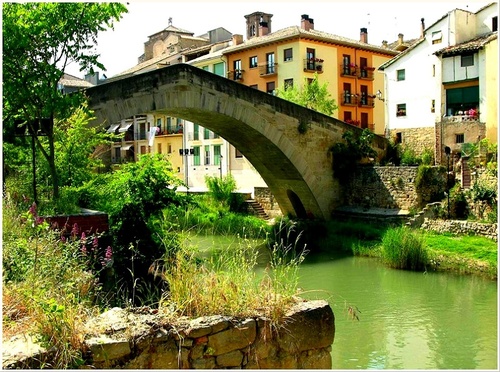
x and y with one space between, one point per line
113 128
125 148
125 127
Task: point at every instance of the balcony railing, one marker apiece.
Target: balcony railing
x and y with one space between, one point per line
366 101
348 70
366 73
268 69
349 99
313 65
236 75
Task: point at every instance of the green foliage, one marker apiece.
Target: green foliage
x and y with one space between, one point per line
408 157
484 191
312 95
403 248
458 203
40 41
134 196
392 154
430 183
427 157
222 190
347 154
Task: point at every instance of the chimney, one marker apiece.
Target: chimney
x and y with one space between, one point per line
363 37
306 23
263 27
385 44
400 39
237 39
422 33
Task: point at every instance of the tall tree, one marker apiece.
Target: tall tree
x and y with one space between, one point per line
312 95
39 41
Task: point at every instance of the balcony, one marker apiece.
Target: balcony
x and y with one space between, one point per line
236 75
313 65
348 70
366 73
366 101
170 130
268 69
349 99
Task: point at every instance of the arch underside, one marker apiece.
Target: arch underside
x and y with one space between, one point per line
262 127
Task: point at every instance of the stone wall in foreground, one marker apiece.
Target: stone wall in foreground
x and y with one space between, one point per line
124 339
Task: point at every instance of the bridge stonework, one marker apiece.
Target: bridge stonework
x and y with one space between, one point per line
297 167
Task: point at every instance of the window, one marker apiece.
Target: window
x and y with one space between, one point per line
310 57
251 30
364 120
206 133
169 125
494 24
400 75
238 154
401 109
433 70
399 137
196 132
288 83
237 70
363 64
196 155
347 93
467 60
309 81
207 155
364 95
117 154
217 157
459 138
437 37
158 148
255 86
270 87
461 99
433 105
288 55
205 68
347 115
169 148
270 63
253 62
346 64
219 69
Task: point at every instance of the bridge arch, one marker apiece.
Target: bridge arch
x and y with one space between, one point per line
296 167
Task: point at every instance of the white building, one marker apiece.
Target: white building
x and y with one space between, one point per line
416 80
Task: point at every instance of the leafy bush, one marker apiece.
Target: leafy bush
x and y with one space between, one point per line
403 248
408 157
223 190
347 154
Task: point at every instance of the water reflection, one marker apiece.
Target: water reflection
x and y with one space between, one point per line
408 320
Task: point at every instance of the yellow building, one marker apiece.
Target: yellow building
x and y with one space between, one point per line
291 56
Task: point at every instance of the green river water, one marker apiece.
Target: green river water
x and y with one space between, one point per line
407 320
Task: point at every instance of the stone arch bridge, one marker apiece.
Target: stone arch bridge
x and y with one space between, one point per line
296 166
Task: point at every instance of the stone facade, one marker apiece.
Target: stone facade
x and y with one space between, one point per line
123 339
382 187
266 199
447 131
418 139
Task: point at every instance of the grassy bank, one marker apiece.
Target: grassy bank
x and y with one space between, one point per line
445 252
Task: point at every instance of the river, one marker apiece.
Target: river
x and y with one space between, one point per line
407 320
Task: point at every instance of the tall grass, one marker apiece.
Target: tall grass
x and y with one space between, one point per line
403 248
48 289
228 282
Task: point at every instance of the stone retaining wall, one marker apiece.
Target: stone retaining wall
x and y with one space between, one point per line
266 199
139 340
382 187
456 227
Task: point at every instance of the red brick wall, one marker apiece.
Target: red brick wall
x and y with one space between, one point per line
88 223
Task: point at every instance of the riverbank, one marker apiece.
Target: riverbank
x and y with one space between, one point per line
465 254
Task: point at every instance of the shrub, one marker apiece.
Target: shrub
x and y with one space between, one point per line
408 157
403 248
